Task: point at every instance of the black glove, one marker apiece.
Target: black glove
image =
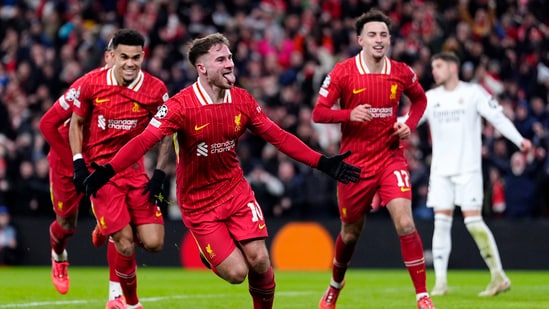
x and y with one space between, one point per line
98 178
339 170
80 174
155 187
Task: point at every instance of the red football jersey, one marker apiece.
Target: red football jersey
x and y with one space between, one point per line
208 169
115 113
54 125
351 84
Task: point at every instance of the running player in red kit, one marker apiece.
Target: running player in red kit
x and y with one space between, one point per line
368 88
110 107
217 203
54 126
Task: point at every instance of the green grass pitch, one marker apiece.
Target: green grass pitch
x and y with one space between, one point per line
30 287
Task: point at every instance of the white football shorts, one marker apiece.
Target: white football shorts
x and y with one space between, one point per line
463 190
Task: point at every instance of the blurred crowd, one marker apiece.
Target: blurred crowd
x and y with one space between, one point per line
282 52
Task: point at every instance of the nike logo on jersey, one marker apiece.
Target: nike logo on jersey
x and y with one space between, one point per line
198 128
404 189
99 101
261 226
357 91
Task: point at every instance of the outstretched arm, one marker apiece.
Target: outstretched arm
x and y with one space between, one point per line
135 149
297 150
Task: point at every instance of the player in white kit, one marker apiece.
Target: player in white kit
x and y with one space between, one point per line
454 111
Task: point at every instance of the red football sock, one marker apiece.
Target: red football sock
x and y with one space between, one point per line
111 260
412 253
59 237
343 254
262 288
126 268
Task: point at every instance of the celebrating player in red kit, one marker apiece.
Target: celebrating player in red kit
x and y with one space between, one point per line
54 126
217 203
110 107
368 88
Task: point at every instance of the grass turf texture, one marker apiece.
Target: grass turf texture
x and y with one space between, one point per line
30 287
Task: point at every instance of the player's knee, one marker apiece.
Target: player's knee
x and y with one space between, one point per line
68 223
349 238
405 229
350 232
125 248
154 247
474 224
405 226
260 263
153 242
236 274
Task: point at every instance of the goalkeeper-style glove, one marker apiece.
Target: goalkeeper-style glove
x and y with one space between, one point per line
98 178
80 174
339 170
155 188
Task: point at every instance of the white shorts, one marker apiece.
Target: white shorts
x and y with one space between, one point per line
463 190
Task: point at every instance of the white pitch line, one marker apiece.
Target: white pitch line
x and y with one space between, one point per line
144 299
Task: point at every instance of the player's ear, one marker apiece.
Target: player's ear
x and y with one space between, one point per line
201 68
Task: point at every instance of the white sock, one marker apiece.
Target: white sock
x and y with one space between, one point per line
337 285
421 295
485 243
115 290
442 246
59 257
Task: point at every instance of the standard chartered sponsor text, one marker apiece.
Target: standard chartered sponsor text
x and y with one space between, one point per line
122 124
381 112
222 147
